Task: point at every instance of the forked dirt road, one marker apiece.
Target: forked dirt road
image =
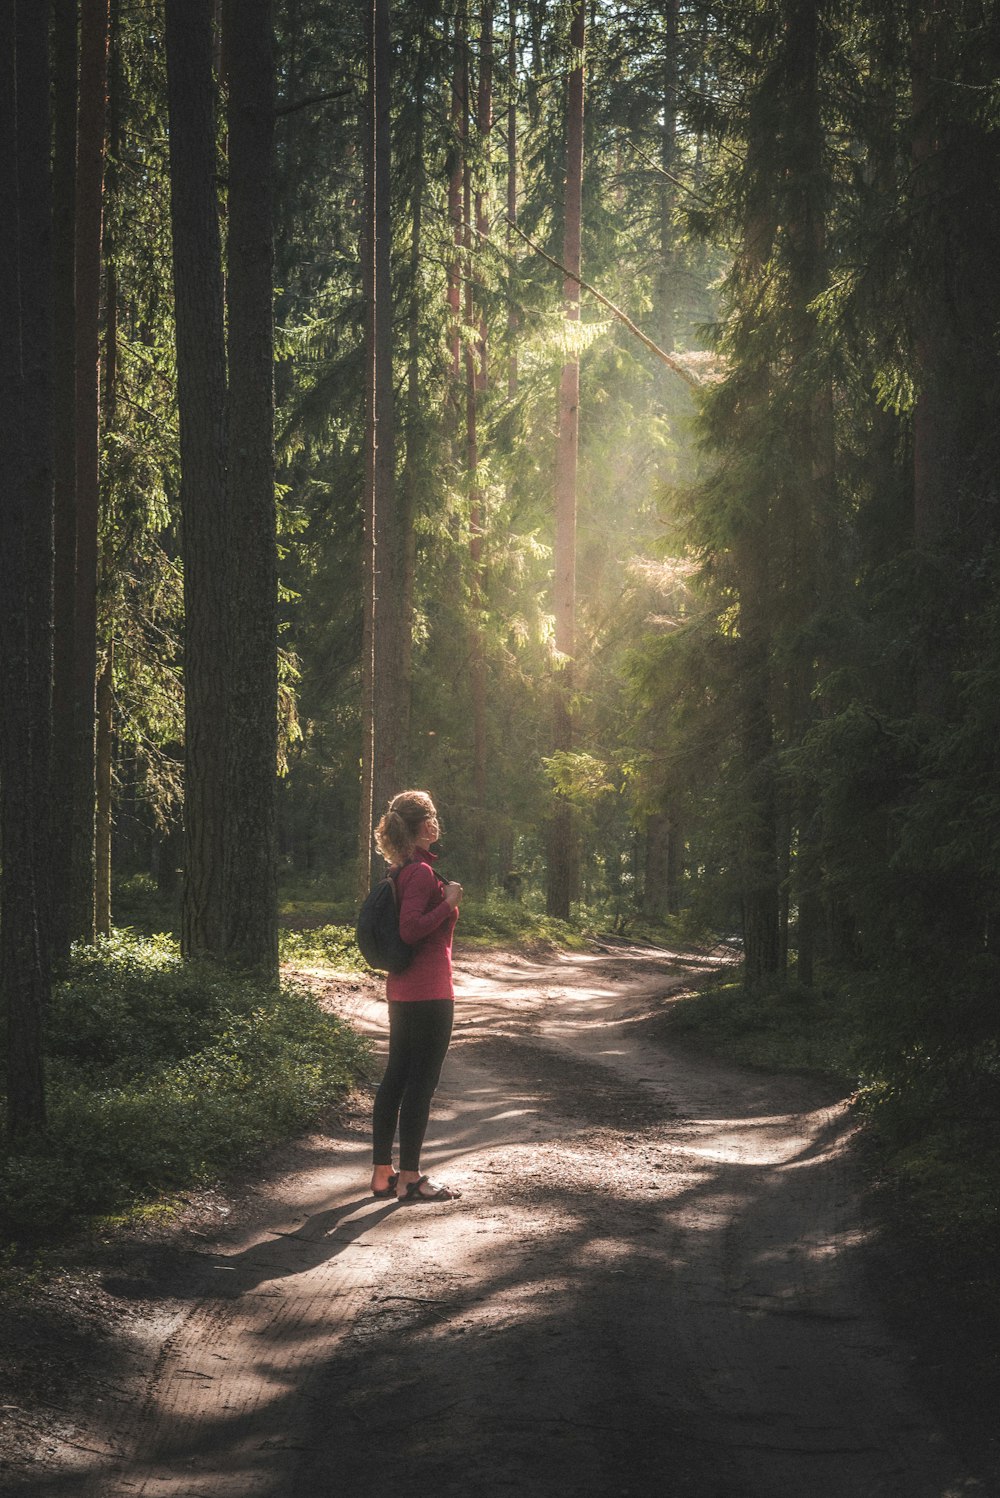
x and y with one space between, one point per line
649 1287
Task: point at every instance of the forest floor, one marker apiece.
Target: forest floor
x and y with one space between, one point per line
658 1281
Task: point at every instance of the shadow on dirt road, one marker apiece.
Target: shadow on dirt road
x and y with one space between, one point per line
651 1286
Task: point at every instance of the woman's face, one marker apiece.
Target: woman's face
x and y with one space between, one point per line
429 831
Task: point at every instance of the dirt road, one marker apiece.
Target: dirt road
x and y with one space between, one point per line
651 1286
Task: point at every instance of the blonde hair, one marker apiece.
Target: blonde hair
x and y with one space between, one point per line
396 833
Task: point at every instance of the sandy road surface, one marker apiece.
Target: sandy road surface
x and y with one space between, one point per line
650 1287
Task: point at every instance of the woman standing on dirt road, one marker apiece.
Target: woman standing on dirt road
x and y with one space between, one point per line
421 999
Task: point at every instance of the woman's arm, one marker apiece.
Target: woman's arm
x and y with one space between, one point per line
417 917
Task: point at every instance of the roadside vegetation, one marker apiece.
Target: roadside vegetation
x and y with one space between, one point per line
162 1075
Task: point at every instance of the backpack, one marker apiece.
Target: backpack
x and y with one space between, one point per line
377 931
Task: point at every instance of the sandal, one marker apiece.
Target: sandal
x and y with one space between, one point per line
436 1193
388 1191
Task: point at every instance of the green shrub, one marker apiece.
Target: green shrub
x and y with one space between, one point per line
138 904
786 1028
333 946
499 919
163 1074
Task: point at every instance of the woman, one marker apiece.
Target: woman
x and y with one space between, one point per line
421 999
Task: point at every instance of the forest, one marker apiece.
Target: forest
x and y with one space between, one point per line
583 409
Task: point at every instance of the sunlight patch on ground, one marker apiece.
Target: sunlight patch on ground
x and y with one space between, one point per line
766 1141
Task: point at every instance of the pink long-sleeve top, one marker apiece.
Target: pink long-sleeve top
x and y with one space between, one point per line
426 922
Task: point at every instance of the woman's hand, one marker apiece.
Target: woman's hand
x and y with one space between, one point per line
452 893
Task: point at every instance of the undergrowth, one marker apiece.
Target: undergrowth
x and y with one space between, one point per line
483 923
163 1074
782 1029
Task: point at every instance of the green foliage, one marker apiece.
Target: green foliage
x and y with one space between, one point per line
138 904
782 1028
501 921
163 1074
328 946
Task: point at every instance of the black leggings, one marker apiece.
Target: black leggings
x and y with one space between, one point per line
419 1032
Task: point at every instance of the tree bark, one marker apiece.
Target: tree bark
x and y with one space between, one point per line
26 520
561 832
385 551
655 866
201 389
934 454
666 293
390 699
414 436
476 380
103 785
459 129
91 128
511 193
104 751
250 866
64 96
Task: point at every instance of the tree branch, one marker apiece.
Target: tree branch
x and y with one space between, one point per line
655 166
668 359
337 93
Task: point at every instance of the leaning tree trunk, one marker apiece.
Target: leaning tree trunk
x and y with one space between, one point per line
250 860
561 850
201 392
26 520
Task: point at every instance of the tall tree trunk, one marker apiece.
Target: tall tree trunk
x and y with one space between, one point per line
561 831
511 193
201 390
934 455
366 808
819 563
655 866
666 293
251 782
475 365
759 851
26 521
656 902
64 97
414 437
459 114
104 751
390 697
103 786
386 744
91 126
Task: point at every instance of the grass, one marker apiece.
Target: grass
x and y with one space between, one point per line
162 1075
781 1029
